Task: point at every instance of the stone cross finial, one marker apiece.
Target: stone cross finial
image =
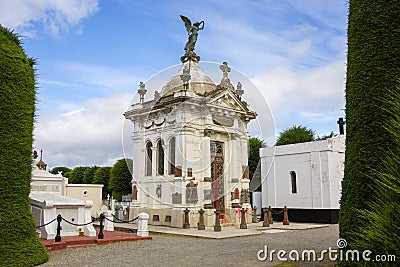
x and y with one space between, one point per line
142 91
225 82
341 123
239 91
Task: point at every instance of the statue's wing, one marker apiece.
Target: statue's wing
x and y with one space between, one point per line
188 23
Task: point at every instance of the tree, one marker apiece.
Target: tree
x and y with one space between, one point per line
326 136
102 176
63 170
254 157
373 66
77 174
89 174
19 243
121 178
295 134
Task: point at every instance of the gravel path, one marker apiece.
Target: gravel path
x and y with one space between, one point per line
165 250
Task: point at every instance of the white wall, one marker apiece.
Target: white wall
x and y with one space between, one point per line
319 170
91 192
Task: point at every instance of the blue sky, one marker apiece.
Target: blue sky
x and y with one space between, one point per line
92 54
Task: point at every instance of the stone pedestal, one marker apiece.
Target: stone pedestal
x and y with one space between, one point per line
108 224
143 228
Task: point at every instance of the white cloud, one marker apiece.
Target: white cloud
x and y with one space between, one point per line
54 17
309 96
91 135
318 88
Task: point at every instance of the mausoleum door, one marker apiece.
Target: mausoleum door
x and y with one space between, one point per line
217 175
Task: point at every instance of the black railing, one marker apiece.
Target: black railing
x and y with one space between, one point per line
101 218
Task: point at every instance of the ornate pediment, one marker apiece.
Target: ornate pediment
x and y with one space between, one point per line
228 100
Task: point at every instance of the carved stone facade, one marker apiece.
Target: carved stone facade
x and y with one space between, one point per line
190 145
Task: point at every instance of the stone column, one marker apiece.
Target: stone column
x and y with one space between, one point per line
154 161
166 158
235 166
179 156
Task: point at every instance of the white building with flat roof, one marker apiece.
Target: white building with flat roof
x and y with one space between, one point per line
305 177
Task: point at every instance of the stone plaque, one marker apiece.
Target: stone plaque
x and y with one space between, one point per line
177 198
207 194
221 120
45 188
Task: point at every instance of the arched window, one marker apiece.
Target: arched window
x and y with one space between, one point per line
172 155
293 182
160 158
149 159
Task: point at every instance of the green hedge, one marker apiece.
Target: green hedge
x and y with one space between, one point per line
382 232
19 243
373 65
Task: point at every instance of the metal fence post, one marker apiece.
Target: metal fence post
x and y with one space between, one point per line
217 226
285 216
266 219
254 218
201 225
58 236
243 224
101 235
186 224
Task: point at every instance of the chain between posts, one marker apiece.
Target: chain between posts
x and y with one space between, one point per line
277 212
121 221
79 224
47 223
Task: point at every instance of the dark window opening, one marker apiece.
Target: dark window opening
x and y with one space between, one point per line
149 159
293 181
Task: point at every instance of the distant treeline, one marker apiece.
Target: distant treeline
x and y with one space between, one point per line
116 179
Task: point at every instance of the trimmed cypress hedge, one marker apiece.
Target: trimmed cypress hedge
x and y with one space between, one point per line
19 243
373 65
382 232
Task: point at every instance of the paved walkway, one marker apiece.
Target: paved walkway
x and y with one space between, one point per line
226 231
171 249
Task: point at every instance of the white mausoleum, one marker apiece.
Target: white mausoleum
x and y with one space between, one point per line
305 177
190 148
52 195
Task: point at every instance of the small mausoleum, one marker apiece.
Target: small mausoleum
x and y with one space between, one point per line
190 146
305 177
52 195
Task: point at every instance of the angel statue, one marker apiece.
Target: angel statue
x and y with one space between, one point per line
192 32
